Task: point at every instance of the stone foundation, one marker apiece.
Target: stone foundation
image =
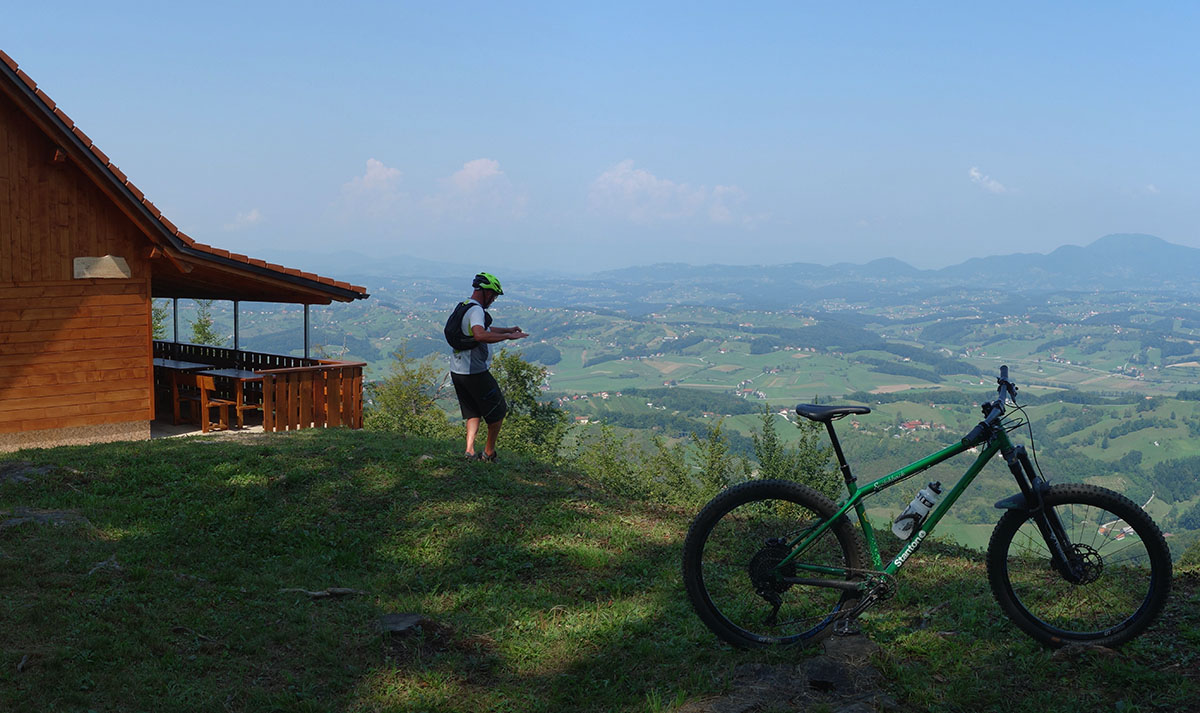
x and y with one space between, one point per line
75 436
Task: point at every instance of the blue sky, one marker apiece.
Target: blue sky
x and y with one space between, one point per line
573 136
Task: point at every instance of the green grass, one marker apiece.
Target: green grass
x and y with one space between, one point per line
540 592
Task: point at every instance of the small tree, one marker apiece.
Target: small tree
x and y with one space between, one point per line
665 469
718 468
158 318
406 401
808 462
531 426
202 328
611 461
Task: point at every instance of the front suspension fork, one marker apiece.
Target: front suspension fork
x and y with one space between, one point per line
1062 557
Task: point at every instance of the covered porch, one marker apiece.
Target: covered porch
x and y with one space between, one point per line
274 392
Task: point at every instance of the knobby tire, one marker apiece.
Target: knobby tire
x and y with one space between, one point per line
730 554
1118 591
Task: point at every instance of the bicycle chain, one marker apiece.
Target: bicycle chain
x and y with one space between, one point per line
883 587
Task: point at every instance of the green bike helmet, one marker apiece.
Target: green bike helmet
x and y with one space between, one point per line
487 281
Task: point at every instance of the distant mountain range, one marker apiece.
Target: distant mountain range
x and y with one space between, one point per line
1114 262
1120 263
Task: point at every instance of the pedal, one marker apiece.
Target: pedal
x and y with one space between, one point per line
846 627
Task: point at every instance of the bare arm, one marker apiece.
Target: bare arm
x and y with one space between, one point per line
496 334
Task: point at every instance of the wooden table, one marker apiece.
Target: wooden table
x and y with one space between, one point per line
240 378
174 367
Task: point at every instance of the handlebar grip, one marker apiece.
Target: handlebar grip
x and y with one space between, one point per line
1004 373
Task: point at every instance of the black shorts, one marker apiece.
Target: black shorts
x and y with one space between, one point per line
479 396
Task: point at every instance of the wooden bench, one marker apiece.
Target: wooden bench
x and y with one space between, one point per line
199 392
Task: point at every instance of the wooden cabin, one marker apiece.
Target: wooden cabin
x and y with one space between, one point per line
82 253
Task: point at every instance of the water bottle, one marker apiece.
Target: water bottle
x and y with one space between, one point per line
906 523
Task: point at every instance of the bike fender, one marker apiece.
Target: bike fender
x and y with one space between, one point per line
1012 502
1018 502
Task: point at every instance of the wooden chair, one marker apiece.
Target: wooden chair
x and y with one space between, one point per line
199 392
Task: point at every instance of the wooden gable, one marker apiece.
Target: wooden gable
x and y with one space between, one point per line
82 253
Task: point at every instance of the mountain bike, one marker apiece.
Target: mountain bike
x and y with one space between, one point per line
776 563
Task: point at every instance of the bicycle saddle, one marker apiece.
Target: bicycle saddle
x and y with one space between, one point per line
825 414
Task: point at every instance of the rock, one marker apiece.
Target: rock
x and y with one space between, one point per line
400 623
828 675
20 471
20 516
857 648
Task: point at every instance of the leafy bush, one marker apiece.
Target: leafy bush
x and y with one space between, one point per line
531 427
808 462
406 401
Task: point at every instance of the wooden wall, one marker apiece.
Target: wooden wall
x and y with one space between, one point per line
73 353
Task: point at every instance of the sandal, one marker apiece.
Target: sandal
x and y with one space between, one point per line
486 458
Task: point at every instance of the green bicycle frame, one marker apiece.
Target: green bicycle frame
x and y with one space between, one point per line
999 442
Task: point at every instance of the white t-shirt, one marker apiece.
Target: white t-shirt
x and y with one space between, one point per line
479 359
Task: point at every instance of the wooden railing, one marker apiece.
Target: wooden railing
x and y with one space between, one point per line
224 358
326 395
296 392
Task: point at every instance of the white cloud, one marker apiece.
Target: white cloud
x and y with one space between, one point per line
478 191
475 173
639 196
374 194
1151 189
244 220
985 181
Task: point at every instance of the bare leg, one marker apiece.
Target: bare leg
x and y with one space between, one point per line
472 431
493 431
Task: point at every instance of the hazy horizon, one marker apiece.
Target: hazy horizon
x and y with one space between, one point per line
589 137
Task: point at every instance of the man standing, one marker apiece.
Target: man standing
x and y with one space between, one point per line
479 396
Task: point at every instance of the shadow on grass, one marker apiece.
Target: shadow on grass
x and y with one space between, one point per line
538 592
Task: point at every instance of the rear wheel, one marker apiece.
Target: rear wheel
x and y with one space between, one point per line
731 558
1117 582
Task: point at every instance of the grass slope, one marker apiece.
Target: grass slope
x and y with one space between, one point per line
540 593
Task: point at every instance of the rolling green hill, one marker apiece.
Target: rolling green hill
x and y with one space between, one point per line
253 573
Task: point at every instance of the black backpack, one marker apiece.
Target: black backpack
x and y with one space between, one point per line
453 331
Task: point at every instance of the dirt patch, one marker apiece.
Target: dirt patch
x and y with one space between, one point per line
22 471
666 367
840 679
21 516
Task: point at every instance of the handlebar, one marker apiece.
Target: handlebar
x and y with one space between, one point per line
994 411
1006 388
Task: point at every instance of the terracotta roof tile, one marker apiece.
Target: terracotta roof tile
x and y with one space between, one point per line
45 98
63 115
27 79
87 140
121 178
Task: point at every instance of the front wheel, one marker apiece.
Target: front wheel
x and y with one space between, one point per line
1115 585
732 558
